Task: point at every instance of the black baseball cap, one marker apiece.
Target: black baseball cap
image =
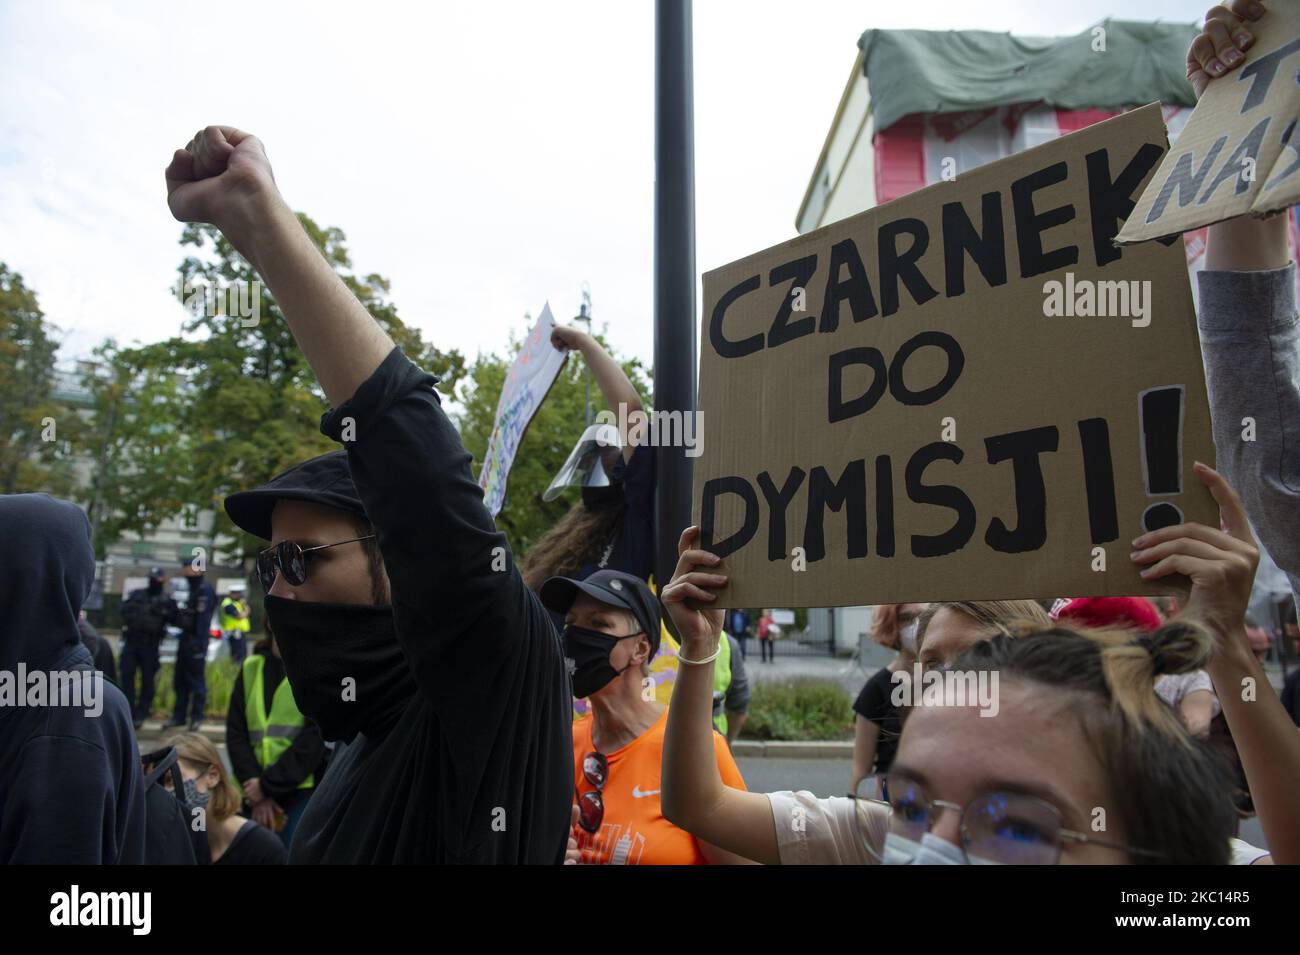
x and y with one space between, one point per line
325 480
157 573
611 587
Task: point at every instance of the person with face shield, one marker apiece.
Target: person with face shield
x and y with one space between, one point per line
611 631
612 525
405 629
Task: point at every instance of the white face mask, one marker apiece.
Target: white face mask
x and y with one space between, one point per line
930 851
907 638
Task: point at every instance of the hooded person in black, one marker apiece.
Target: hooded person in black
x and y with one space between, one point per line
71 787
405 629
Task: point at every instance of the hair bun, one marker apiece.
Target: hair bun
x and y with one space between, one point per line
1179 646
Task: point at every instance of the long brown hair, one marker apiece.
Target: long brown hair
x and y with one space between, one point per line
575 539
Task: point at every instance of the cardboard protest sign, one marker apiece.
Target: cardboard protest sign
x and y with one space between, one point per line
968 393
1238 153
534 370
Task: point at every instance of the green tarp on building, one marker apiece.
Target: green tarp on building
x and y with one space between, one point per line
946 71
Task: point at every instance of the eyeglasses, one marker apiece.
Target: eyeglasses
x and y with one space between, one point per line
998 828
290 559
591 806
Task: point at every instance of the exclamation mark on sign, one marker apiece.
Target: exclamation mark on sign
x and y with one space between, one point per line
1160 416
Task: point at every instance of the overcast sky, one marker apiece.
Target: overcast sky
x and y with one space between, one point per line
486 157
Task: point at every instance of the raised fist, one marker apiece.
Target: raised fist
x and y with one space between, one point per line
218 171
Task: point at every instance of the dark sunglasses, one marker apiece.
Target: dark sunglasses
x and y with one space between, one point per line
290 559
591 807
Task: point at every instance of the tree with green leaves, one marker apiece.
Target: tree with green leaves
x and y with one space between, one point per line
243 404
132 436
31 419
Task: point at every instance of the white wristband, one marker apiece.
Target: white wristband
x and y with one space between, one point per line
709 659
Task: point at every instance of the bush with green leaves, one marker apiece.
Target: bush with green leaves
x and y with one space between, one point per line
799 709
221 681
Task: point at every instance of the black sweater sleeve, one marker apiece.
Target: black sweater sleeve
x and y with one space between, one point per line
303 757
463 615
242 759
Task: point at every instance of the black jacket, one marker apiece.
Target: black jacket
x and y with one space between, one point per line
71 786
479 766
146 616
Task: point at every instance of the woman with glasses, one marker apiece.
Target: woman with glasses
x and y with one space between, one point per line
1081 762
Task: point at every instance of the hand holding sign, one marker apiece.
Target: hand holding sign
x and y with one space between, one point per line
1238 153
1220 563
690 591
1222 44
531 376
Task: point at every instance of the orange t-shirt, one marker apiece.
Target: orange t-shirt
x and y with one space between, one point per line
634 830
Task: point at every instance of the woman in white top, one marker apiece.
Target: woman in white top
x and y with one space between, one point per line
1080 763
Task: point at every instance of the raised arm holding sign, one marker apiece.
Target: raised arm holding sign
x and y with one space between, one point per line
1238 153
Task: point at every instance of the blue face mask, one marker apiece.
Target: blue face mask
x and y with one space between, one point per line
930 851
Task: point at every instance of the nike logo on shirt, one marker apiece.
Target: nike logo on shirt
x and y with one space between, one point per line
638 793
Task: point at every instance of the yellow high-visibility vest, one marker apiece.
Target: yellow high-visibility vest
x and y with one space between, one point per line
274 733
722 681
228 619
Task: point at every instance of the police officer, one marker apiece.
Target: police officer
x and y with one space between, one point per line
234 622
192 650
146 612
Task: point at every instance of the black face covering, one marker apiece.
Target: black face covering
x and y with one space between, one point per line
603 498
589 650
344 663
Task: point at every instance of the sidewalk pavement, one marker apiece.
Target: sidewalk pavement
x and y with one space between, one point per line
842 670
